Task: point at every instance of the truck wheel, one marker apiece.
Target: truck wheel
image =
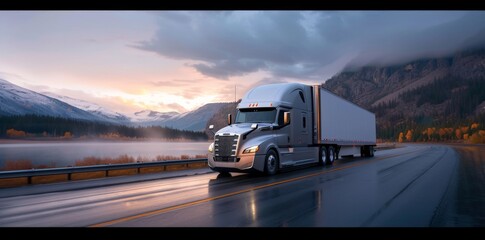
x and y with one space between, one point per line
330 155
323 156
223 174
271 163
371 151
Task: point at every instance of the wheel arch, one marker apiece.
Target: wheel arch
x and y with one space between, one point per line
276 166
259 161
273 146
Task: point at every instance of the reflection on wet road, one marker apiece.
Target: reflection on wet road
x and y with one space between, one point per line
418 185
465 206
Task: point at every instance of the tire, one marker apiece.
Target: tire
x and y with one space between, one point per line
323 156
367 151
271 162
330 155
223 174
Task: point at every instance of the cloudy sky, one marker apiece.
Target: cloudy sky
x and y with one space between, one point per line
177 61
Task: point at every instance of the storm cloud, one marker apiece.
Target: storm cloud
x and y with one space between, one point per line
309 45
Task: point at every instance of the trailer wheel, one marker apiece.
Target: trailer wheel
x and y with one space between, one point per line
271 163
323 156
330 155
367 151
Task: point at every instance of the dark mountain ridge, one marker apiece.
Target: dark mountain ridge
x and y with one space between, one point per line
444 92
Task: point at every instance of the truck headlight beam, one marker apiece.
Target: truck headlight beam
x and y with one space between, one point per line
211 148
252 149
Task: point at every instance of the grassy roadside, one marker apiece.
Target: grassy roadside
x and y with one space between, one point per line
15 182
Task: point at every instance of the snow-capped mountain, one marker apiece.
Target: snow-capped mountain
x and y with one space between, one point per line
146 116
93 108
143 117
195 120
15 100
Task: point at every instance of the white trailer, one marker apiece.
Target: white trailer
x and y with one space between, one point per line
342 124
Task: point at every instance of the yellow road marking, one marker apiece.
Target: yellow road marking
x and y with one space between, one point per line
196 202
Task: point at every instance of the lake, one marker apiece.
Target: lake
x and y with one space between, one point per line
64 154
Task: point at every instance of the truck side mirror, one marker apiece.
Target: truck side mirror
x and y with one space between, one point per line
229 119
286 118
211 128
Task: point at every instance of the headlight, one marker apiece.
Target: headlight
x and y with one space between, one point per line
211 148
251 149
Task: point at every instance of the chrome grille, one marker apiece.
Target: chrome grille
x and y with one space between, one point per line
225 147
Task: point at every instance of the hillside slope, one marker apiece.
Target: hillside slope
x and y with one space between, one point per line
444 92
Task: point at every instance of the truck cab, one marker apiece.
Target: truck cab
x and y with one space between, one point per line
272 129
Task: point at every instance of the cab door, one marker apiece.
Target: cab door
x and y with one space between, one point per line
283 133
284 139
303 136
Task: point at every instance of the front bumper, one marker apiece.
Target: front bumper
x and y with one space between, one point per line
246 163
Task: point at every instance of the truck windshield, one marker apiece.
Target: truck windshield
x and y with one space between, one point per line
256 115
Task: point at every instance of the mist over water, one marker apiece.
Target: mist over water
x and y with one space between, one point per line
65 154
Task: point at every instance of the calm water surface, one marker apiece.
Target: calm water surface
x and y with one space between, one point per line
66 153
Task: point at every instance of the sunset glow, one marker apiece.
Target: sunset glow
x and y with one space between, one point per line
177 61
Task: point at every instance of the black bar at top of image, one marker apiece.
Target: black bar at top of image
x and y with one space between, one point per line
243 5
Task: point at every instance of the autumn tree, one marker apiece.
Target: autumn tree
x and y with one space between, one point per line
458 133
482 133
409 136
15 133
442 133
450 130
476 138
401 137
67 135
430 132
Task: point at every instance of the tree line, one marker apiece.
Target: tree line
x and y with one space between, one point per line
47 126
454 117
470 134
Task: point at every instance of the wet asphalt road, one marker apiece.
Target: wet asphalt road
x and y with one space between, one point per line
465 205
413 186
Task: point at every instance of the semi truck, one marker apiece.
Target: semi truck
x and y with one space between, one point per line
290 124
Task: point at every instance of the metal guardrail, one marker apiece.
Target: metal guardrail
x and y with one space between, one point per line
96 168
